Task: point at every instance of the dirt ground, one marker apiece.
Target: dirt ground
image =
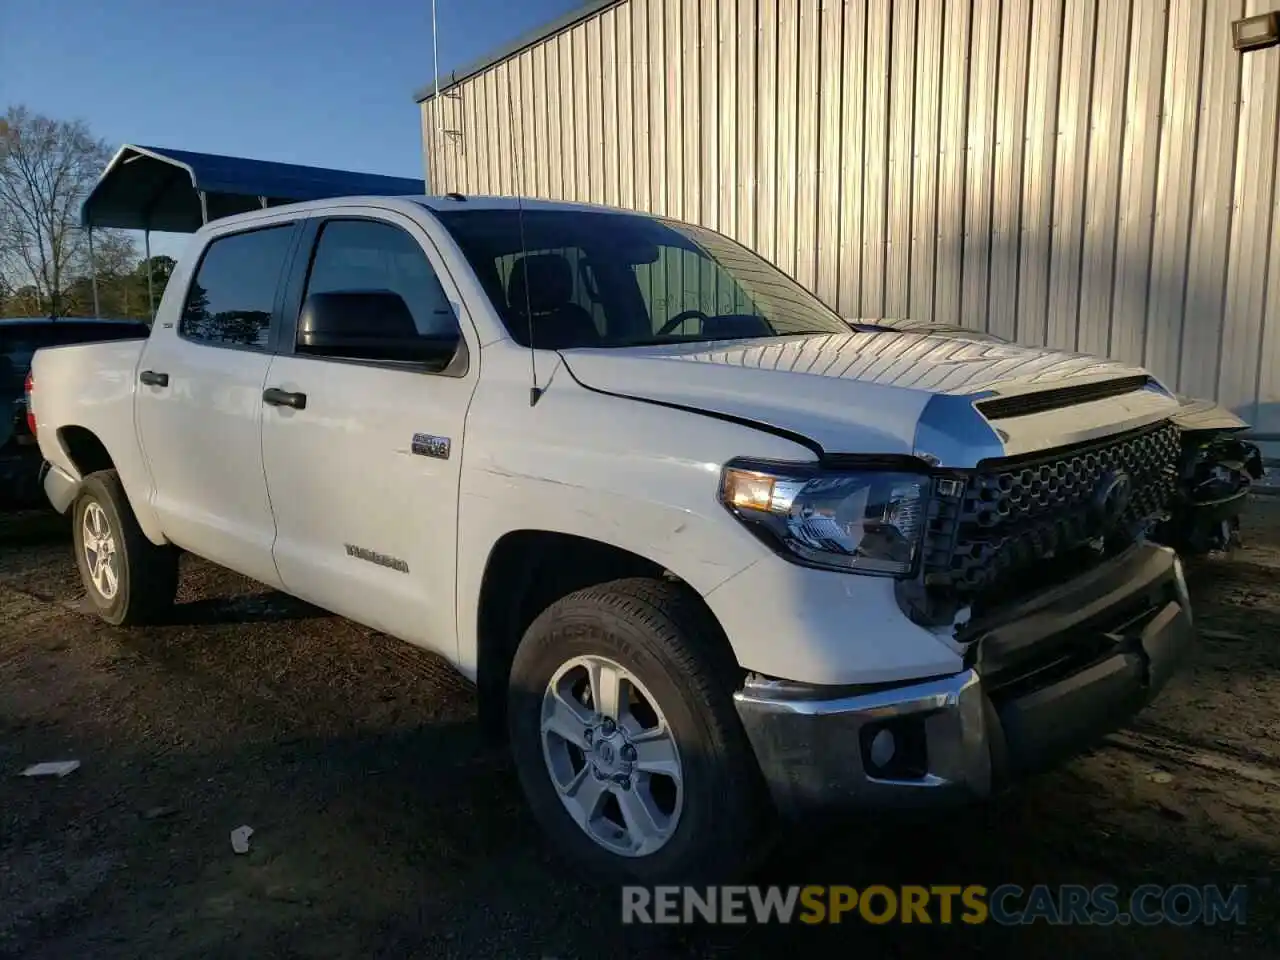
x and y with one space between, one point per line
384 827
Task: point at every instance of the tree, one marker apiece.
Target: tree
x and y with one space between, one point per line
47 167
162 268
114 262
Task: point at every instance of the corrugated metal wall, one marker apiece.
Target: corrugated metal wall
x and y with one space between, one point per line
1090 174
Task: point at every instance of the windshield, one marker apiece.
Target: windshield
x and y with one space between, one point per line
598 279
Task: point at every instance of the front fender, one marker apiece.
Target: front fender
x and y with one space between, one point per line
633 475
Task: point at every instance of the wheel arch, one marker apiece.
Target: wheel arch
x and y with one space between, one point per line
87 453
84 452
526 571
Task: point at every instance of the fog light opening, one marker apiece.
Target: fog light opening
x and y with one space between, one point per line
883 747
895 749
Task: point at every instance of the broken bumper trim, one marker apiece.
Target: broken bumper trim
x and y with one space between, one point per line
961 737
59 486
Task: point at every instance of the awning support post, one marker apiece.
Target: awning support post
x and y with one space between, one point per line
151 297
204 207
93 275
262 202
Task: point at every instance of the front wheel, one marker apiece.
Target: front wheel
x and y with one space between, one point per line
129 579
626 740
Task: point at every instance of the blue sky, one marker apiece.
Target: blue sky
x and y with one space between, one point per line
324 82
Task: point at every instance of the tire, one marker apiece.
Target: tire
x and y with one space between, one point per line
659 634
145 576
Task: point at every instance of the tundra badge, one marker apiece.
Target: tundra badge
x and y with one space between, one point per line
425 445
381 559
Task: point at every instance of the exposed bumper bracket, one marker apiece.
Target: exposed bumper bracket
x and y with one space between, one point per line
59 486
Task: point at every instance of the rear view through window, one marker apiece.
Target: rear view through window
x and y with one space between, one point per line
591 279
231 300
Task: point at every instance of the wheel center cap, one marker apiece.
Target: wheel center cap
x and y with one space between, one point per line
609 754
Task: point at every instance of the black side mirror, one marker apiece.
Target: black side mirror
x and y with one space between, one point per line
370 325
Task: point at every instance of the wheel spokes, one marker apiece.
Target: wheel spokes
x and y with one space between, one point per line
607 694
612 756
583 796
567 720
109 575
646 824
656 753
99 551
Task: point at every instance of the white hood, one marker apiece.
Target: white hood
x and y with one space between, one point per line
882 393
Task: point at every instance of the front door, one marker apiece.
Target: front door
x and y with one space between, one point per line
364 477
199 404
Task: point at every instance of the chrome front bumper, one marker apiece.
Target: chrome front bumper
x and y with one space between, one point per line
1022 707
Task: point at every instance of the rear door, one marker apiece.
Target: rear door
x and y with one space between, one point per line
199 402
364 478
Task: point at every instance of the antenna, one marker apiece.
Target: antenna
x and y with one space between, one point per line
435 66
535 392
435 101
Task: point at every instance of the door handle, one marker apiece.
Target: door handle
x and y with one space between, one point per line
283 398
153 379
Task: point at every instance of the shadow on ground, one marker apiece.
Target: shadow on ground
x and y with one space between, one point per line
416 843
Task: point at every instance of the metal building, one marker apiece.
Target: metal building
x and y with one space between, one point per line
1090 174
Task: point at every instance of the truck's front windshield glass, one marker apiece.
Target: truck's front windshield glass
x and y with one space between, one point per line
597 279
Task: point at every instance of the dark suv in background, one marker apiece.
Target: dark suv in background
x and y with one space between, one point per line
20 338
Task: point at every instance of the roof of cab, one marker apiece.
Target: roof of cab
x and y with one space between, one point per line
406 203
459 202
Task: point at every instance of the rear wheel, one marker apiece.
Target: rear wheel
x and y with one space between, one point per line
626 740
129 580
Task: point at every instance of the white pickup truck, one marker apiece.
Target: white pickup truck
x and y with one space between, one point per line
710 554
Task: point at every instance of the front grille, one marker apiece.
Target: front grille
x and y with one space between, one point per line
1020 522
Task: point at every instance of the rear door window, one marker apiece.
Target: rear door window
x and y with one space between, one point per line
232 299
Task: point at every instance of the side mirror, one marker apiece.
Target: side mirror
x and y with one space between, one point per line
370 325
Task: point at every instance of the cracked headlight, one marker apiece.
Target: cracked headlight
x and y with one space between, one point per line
860 521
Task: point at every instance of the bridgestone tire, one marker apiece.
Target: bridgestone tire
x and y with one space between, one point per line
660 632
147 574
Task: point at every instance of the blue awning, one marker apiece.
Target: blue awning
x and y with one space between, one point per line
154 188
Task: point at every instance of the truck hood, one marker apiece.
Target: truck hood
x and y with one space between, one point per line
1195 415
949 400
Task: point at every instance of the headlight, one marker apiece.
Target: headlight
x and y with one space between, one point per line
867 521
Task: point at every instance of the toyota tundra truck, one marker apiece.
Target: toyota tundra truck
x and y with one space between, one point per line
713 556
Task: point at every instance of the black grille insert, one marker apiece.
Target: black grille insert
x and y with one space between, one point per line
1012 526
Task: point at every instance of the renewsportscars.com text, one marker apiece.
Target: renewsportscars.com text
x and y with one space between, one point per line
1007 904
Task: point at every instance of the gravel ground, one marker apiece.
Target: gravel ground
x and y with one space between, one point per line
384 827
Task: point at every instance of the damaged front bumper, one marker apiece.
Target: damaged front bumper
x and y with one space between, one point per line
1044 681
1217 468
